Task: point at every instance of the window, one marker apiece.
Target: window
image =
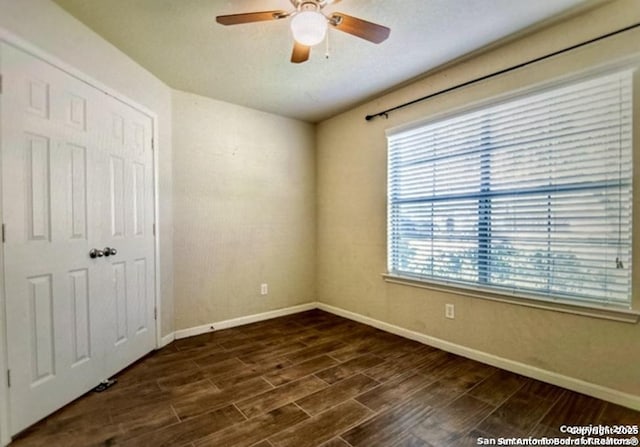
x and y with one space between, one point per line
530 197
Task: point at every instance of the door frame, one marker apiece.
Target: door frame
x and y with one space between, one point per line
25 46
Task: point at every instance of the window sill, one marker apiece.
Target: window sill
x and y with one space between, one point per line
606 313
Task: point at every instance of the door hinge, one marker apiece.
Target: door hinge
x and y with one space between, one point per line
9 378
154 229
0 84
3 233
155 313
153 144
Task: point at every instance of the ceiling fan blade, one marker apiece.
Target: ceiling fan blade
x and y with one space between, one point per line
300 53
361 28
237 19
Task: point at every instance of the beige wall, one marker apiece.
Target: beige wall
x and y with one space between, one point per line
351 170
244 192
45 25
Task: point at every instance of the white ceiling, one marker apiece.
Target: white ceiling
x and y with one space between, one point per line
180 42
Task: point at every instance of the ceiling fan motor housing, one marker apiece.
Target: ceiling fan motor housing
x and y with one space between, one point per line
308 5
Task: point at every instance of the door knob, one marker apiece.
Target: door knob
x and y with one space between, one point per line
95 253
108 251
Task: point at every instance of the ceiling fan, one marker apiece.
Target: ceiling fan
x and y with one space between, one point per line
309 25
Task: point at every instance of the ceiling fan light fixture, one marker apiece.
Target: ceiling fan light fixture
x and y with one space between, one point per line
309 27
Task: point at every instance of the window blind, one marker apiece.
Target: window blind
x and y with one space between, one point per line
530 196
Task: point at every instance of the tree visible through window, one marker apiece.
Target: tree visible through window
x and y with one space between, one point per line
531 196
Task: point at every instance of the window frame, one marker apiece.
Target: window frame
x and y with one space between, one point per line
631 315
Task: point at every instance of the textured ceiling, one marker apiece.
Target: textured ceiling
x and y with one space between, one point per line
180 42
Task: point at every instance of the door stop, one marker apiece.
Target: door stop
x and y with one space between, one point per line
107 383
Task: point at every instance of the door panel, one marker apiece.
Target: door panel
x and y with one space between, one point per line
116 196
37 92
80 316
37 185
40 251
40 328
140 296
126 150
120 298
73 179
138 199
76 111
78 182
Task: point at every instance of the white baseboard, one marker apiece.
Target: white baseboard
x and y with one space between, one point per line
197 330
580 386
165 340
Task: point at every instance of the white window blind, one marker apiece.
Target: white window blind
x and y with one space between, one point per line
530 197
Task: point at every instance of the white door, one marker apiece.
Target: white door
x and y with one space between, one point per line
67 188
124 169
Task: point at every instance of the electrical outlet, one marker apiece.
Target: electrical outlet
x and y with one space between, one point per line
449 311
264 289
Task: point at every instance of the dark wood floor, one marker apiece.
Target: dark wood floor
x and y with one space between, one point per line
314 379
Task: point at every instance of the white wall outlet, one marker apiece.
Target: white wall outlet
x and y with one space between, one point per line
264 289
449 311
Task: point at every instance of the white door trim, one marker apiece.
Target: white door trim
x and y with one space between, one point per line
156 228
23 45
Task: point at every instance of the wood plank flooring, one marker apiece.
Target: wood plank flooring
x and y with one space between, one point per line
314 379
